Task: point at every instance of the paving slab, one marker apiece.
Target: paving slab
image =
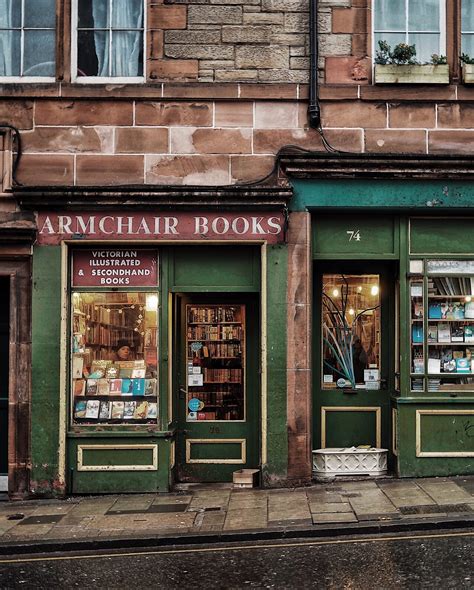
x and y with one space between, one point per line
253 518
319 508
406 494
333 517
446 492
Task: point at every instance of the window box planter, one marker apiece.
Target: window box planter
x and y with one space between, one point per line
412 74
468 73
349 461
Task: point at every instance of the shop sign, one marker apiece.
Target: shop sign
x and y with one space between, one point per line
115 267
54 227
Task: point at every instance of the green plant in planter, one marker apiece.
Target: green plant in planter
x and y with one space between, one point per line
466 59
403 54
439 60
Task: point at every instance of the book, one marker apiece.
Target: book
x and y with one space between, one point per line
418 365
80 409
125 373
463 365
434 311
432 333
112 372
150 386
417 333
117 410
138 373
102 387
450 366
152 411
91 386
105 411
457 334
141 410
92 408
77 366
434 365
115 386
444 333
458 354
129 410
468 334
138 386
127 386
79 386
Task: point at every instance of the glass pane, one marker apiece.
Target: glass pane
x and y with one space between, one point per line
450 267
417 310
426 45
351 331
468 44
40 13
467 15
416 266
215 362
10 53
39 53
389 15
114 357
127 14
127 54
92 53
391 38
10 13
423 15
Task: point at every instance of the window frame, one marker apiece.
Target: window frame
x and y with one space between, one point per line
462 31
443 46
75 79
31 79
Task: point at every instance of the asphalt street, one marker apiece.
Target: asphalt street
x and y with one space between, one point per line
430 560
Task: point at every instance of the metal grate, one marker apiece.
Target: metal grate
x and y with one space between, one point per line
42 519
430 509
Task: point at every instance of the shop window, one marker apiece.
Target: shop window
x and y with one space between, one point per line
351 331
27 40
442 327
114 338
107 40
467 27
416 22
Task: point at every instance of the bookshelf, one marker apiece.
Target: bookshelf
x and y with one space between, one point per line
442 332
215 362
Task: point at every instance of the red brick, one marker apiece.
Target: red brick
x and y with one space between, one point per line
334 92
407 141
46 170
66 139
234 114
17 113
109 170
208 90
268 91
407 92
465 93
210 141
167 17
347 70
83 112
250 168
411 115
155 44
349 20
174 69
194 114
450 142
269 141
360 44
133 140
298 351
198 170
458 116
354 114
271 115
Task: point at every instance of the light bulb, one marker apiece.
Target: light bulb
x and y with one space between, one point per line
335 293
351 311
151 302
374 290
359 289
467 299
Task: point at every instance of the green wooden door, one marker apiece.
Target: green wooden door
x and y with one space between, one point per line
354 353
216 385
4 378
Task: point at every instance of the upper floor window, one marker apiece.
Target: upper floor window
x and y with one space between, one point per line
107 40
415 22
27 40
467 26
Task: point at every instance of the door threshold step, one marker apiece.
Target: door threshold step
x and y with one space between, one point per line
201 486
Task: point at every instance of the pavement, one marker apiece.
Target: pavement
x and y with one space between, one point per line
220 513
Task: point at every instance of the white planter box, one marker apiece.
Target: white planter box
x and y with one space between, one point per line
468 73
417 74
349 461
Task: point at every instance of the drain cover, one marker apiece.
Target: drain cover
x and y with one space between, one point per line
430 509
44 519
161 508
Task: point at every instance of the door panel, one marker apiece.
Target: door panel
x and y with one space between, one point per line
354 369
217 386
4 377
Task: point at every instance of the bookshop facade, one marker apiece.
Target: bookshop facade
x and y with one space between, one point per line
150 332
392 266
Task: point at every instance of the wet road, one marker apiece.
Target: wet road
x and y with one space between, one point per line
430 560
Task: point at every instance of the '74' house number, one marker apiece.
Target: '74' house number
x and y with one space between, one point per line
354 235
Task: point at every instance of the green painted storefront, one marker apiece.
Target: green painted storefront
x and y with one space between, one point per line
393 228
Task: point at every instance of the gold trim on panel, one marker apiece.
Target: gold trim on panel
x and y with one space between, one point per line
378 420
241 441
173 455
394 431
150 467
263 357
420 452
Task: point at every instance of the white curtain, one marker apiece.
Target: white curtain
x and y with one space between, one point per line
6 38
126 44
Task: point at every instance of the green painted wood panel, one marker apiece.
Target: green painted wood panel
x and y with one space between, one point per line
113 456
447 433
354 235
212 268
443 236
350 428
213 450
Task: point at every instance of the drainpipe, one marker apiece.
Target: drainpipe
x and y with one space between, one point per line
314 111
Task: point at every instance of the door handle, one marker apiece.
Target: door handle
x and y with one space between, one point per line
182 393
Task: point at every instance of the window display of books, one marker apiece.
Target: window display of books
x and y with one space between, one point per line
215 360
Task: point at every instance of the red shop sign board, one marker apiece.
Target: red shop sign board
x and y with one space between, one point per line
259 225
115 267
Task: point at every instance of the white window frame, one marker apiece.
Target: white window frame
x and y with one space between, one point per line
464 32
103 79
442 27
29 79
